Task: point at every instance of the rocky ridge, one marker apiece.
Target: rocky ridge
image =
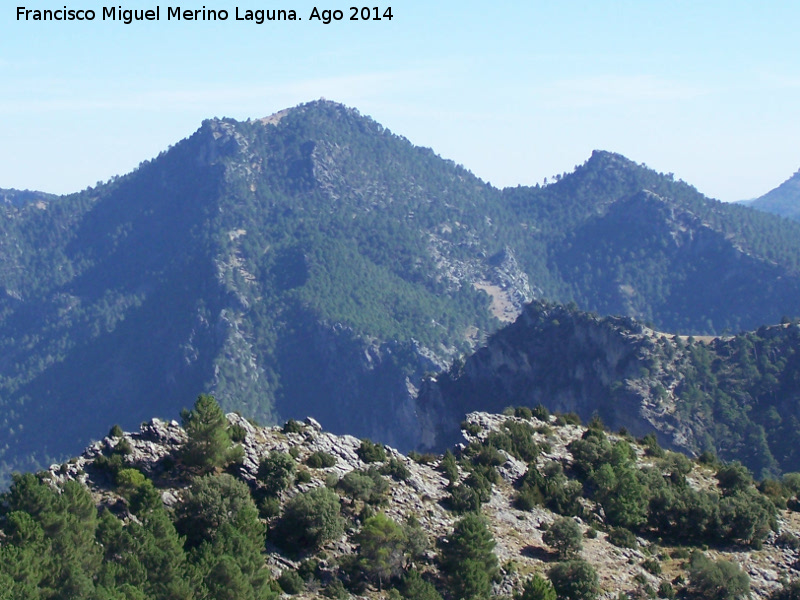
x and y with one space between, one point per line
423 494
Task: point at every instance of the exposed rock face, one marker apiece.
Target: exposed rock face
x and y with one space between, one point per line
423 495
566 363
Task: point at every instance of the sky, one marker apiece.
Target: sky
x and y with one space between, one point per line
514 91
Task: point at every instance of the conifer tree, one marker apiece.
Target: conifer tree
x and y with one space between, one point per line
209 443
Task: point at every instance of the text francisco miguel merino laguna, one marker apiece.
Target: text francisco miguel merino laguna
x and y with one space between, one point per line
128 16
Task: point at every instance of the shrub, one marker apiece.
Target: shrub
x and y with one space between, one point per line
368 486
309 520
523 412
303 476
665 590
464 499
788 540
116 432
734 477
449 467
292 426
320 460
422 459
537 588
382 549
213 502
414 587
565 536
717 580
371 452
540 412
652 566
788 591
237 433
396 470
291 582
574 580
623 538
276 472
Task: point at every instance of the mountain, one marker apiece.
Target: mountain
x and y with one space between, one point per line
297 510
313 262
784 200
736 396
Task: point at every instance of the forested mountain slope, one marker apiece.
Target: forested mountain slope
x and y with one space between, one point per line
784 200
313 262
736 396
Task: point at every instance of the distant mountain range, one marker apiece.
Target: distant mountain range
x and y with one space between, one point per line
315 263
784 200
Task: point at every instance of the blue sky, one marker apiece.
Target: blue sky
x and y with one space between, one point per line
514 91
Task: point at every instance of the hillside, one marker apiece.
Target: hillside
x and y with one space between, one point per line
134 517
784 200
733 395
315 241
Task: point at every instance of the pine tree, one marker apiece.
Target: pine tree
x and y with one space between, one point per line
209 443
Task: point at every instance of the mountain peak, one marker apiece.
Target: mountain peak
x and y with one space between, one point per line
784 200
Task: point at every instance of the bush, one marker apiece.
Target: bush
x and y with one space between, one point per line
276 472
665 590
309 520
292 426
565 536
414 587
211 503
396 470
382 549
116 432
540 412
523 412
652 566
367 486
574 580
371 452
623 538
788 540
734 477
464 499
717 580
237 433
449 467
320 460
537 588
422 459
290 582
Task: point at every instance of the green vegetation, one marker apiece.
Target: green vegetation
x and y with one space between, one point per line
468 558
565 536
574 580
537 588
734 395
213 265
276 472
309 520
717 579
209 446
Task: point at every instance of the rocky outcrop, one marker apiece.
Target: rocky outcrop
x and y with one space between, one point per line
423 493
